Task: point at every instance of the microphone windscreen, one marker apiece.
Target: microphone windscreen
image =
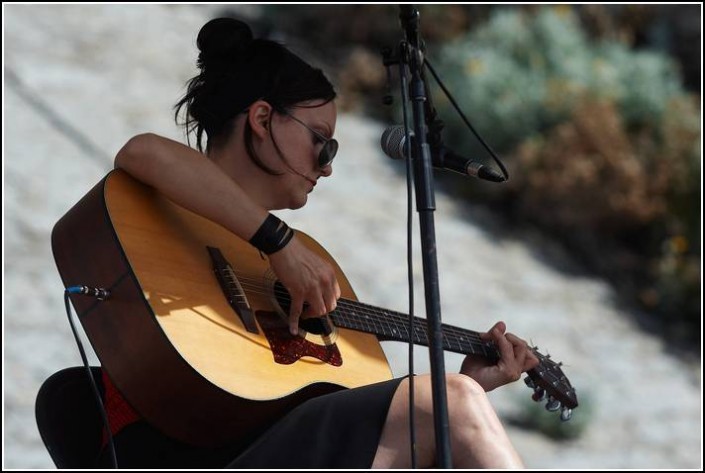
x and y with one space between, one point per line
393 141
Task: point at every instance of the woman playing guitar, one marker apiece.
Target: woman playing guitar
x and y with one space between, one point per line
267 119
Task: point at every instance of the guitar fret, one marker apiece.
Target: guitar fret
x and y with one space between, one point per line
423 338
403 327
362 321
395 333
460 345
445 340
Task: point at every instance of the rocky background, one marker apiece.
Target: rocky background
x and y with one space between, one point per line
79 80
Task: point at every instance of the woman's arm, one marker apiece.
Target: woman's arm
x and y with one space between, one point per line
194 182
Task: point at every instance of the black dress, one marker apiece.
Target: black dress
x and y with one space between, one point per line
337 430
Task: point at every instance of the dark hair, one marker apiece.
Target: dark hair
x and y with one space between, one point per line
236 70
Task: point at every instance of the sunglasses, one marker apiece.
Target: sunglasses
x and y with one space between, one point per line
330 145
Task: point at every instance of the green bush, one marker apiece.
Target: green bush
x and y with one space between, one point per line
603 136
524 72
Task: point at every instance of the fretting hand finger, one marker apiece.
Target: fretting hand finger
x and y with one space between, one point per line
523 352
515 357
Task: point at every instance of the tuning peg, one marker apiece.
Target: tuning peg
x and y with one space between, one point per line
539 395
566 414
553 404
529 382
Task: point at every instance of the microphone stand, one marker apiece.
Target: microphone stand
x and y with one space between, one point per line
411 56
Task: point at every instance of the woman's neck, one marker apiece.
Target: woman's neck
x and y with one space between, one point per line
234 161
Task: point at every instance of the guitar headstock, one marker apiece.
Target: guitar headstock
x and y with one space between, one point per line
548 382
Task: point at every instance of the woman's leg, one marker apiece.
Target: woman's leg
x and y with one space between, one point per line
477 437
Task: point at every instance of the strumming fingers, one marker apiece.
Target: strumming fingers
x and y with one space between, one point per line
295 311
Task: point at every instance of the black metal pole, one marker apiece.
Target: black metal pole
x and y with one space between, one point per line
426 205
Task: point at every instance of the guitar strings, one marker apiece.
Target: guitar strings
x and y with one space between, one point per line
399 320
464 339
366 316
361 313
388 316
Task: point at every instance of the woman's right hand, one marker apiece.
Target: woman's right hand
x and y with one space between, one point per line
181 173
309 279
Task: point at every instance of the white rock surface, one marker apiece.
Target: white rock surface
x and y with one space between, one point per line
91 76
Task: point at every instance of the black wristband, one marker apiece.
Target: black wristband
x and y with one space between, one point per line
272 235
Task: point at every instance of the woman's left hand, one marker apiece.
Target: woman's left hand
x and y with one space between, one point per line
515 358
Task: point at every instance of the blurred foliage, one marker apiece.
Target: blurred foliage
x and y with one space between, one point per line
604 144
602 140
527 71
628 202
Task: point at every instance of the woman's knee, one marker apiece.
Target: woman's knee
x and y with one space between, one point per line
460 386
461 391
468 404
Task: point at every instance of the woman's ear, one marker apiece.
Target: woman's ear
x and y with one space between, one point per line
259 117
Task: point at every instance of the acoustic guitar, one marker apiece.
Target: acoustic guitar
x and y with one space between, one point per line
194 331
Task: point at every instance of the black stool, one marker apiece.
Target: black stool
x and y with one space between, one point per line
69 419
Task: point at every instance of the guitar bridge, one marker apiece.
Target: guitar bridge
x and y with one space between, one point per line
232 290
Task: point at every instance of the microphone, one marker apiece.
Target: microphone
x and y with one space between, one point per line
393 143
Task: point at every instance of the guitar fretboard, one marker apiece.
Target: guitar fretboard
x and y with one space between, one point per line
390 325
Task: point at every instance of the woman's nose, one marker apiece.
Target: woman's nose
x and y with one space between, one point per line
327 170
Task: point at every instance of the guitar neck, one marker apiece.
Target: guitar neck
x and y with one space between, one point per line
390 325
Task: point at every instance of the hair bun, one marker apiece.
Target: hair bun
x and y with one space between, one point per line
222 38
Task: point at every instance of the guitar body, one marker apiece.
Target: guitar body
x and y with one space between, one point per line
169 338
